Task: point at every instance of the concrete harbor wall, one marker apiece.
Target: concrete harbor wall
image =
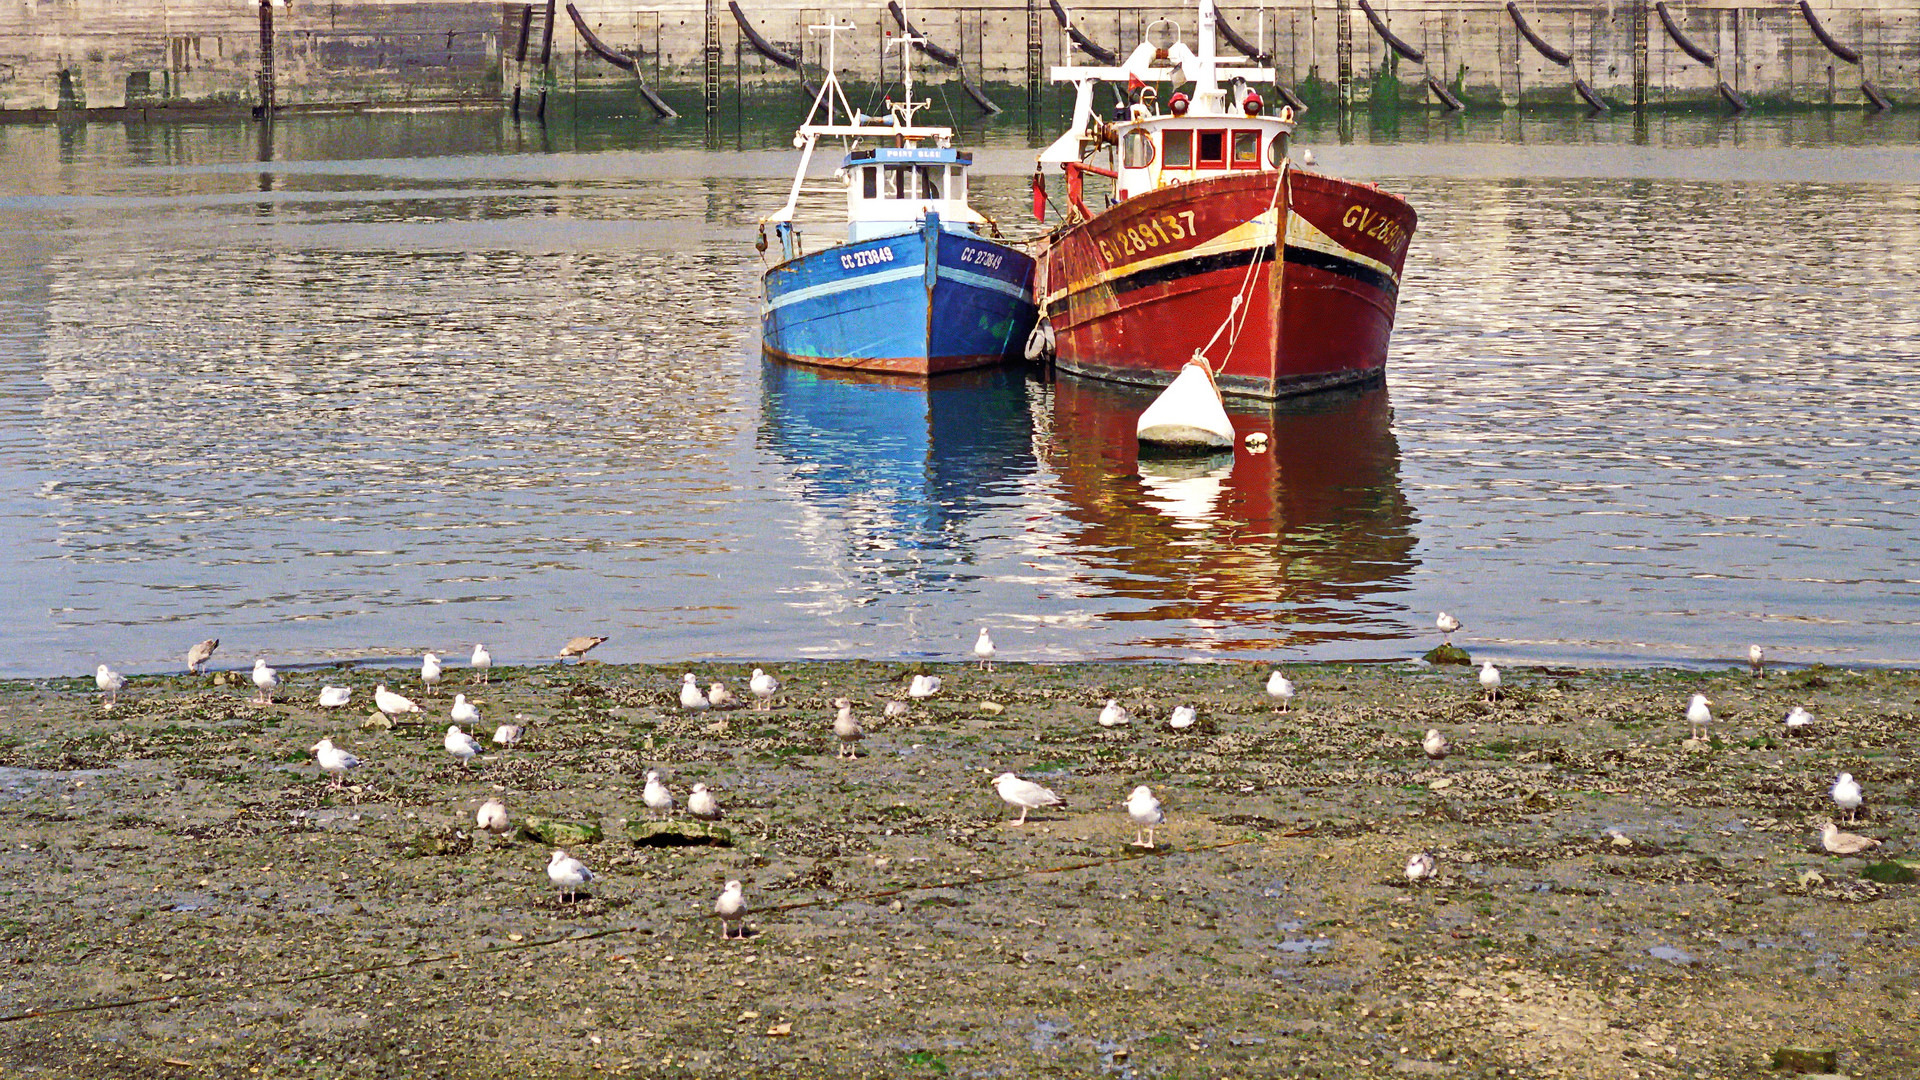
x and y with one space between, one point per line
156 57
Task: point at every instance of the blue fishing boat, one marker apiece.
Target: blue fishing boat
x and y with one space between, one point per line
916 282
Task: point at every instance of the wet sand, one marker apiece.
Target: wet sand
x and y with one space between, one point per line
181 863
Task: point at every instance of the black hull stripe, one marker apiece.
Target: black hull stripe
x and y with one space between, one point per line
1299 256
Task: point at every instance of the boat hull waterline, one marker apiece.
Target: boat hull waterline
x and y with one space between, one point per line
918 303
1133 292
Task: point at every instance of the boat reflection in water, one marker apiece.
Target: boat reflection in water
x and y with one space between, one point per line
893 466
1303 544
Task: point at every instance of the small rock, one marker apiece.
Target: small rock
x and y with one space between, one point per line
992 708
1448 654
1806 1059
1891 872
678 834
560 834
377 721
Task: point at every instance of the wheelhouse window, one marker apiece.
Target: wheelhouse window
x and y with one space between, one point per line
1176 148
1136 150
956 183
1213 149
1246 149
870 181
930 181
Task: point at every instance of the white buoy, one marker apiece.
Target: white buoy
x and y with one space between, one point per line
1188 415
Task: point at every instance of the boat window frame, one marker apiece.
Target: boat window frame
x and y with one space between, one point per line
1170 137
929 180
1233 148
870 181
1200 158
1141 141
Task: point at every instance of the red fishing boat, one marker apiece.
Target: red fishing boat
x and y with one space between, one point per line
1215 244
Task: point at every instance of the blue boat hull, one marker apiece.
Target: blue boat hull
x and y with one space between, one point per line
918 303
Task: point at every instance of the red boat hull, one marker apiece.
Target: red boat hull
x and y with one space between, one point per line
1133 293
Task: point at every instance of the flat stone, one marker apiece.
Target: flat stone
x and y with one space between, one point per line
560 834
680 833
1448 654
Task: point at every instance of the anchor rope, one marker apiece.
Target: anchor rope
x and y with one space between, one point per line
1237 308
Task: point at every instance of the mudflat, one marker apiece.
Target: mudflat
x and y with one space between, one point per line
184 893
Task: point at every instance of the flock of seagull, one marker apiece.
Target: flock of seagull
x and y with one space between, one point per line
569 875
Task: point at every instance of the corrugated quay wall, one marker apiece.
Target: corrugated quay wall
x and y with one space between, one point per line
156 56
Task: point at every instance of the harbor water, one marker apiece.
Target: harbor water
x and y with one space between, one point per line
366 385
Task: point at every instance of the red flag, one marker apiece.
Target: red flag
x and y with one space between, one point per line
1039 196
1133 84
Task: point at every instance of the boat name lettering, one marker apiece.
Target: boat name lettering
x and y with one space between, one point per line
982 257
1149 234
854 260
1374 224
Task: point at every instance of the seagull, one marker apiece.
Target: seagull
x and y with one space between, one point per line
846 728
1024 794
1420 868
1844 843
690 696
482 662
464 711
700 804
983 648
198 656
1145 811
578 647
508 734
567 874
764 686
731 905
334 697
109 681
924 686
1306 155
461 745
656 796
391 704
1447 624
1798 719
1435 745
1699 715
1757 660
1182 718
430 672
265 678
718 695
492 817
1490 678
1847 795
334 760
897 709
1114 714
1280 689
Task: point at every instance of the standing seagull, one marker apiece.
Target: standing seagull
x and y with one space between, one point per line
1847 795
1114 714
764 686
567 874
265 678
718 695
691 698
198 656
1490 678
1447 624
846 728
1421 868
658 799
482 662
701 804
1280 689
1435 745
983 648
1798 720
1699 715
1757 660
730 907
430 672
461 745
578 647
109 681
391 704
1024 794
1145 811
464 711
333 760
